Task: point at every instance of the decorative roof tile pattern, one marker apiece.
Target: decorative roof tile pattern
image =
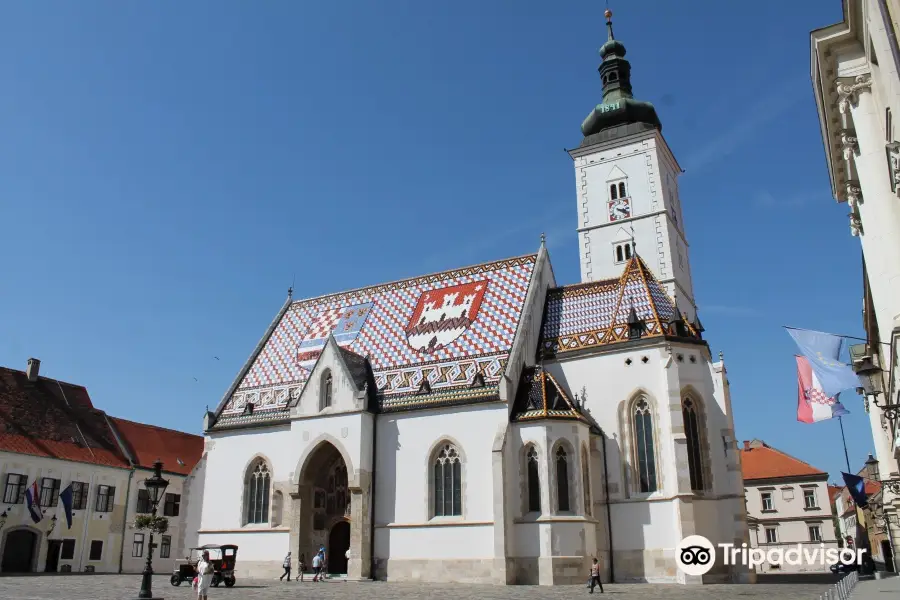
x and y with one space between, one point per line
178 451
540 396
54 419
443 329
761 461
596 314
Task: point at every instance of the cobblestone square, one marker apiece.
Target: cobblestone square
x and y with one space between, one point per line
121 587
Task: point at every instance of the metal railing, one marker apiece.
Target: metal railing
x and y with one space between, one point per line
843 589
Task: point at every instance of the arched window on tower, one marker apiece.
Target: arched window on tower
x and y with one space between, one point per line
256 492
562 479
586 481
447 468
622 193
327 389
644 454
620 253
613 192
534 480
628 251
694 447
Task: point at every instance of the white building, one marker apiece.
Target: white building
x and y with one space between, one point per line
511 435
855 78
789 501
51 435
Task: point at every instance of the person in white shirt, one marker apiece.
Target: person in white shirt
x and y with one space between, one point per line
317 566
287 567
205 573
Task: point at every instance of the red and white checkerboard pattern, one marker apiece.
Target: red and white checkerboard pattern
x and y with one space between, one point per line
383 338
818 396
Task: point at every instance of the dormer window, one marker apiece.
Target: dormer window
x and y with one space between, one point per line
623 252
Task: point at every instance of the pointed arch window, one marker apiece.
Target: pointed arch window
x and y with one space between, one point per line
622 190
644 454
256 492
694 448
447 473
562 479
327 389
586 481
534 480
613 192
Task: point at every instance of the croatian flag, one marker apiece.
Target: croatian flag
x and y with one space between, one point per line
813 405
33 501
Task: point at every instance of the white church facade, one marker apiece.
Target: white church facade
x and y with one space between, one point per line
487 424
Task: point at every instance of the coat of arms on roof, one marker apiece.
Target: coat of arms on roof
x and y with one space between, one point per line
442 315
344 323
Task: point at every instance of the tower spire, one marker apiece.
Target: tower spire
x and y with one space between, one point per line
619 106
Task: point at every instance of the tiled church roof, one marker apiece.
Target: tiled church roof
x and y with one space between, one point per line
540 396
425 339
594 314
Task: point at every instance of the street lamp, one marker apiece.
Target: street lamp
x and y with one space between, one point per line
2 519
52 526
155 485
873 473
870 377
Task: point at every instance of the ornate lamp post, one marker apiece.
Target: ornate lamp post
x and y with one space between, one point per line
870 377
155 485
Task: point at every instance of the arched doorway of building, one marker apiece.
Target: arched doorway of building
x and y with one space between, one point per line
19 551
338 544
325 515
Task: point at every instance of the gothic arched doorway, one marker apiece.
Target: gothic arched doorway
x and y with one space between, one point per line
19 551
338 544
324 504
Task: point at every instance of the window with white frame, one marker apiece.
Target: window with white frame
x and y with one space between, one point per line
809 498
256 492
768 503
617 190
534 480
447 473
771 535
137 546
815 533
562 479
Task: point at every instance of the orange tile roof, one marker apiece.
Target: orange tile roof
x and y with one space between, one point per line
178 451
833 492
765 462
51 418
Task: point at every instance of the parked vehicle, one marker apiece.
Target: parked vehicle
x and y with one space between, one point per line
222 558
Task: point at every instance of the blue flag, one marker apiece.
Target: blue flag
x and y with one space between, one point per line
823 351
66 497
856 486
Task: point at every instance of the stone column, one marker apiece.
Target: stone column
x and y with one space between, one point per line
501 573
301 521
360 564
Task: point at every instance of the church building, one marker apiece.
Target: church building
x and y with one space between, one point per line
487 424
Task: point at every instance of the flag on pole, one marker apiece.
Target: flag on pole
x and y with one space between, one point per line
823 350
33 501
813 405
65 497
856 486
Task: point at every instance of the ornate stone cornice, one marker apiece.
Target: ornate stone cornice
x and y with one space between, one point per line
848 92
849 143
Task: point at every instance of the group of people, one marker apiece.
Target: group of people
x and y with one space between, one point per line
319 563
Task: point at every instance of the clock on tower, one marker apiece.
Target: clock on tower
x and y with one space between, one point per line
619 209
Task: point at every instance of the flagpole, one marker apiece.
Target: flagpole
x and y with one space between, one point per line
844 439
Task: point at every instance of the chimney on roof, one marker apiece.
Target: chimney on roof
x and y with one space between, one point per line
746 444
34 367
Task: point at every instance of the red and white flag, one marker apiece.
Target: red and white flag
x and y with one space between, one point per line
812 403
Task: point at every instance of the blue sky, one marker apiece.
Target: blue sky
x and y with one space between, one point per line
167 169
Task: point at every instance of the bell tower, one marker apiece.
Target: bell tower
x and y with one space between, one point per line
627 184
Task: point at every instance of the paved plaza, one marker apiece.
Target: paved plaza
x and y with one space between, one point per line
120 587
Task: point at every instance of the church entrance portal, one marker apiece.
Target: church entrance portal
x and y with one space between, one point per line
338 544
19 550
324 507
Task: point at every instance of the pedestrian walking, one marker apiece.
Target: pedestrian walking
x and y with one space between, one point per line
287 568
205 572
301 566
595 577
317 567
